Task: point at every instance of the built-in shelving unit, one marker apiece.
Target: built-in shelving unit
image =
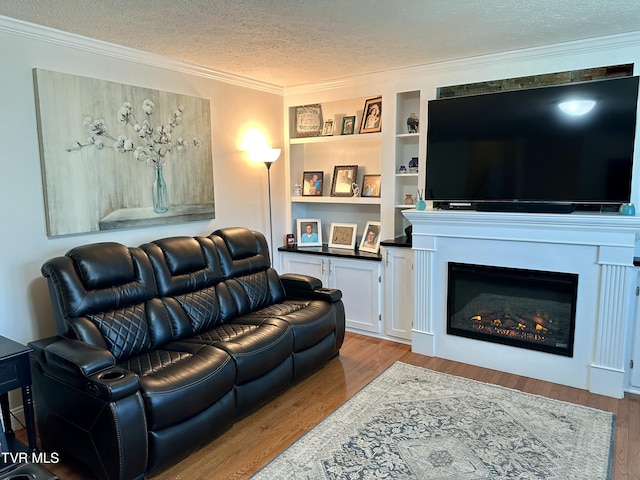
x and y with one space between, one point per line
374 153
322 154
408 145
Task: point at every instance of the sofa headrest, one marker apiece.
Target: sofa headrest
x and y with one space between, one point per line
241 242
102 265
184 264
242 251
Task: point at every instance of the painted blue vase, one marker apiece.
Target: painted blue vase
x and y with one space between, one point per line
160 194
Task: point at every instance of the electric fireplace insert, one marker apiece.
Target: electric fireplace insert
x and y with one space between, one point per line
517 307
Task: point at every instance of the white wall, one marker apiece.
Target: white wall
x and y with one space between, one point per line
240 186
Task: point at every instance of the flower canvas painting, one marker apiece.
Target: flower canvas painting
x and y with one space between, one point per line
120 156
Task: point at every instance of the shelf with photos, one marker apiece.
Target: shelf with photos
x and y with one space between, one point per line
339 121
340 200
356 137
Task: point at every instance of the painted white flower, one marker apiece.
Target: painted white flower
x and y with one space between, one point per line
123 144
148 107
123 114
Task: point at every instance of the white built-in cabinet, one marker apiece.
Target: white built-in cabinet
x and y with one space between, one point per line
359 280
634 378
397 285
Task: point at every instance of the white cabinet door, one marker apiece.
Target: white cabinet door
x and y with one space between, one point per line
635 349
398 292
359 281
312 265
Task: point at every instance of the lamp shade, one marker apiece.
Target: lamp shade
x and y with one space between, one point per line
266 155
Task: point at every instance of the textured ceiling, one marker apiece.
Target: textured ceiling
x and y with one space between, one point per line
292 42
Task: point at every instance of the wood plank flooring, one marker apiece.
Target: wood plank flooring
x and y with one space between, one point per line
256 439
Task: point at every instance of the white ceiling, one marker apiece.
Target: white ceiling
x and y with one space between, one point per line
292 42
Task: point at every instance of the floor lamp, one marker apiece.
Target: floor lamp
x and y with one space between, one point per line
267 156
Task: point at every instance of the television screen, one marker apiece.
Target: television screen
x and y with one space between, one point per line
521 146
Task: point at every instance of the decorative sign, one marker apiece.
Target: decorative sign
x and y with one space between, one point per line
309 120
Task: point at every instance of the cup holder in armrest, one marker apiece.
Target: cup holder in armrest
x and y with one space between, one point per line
329 294
112 375
113 384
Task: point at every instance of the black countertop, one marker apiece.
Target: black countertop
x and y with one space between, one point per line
333 252
401 241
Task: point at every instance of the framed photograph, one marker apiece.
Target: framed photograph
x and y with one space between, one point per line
309 120
312 184
371 186
327 130
372 116
344 176
371 238
348 125
309 232
343 235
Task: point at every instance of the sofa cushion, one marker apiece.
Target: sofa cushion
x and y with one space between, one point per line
181 380
310 320
257 345
193 290
245 264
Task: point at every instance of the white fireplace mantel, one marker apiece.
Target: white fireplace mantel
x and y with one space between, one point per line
599 247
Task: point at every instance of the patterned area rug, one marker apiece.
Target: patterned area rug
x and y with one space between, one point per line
413 423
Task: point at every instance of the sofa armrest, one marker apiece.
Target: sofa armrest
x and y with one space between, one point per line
78 357
305 286
84 366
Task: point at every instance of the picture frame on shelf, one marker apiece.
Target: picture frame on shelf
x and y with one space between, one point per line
371 185
372 116
344 176
312 184
309 232
308 120
413 165
327 130
370 241
343 235
348 125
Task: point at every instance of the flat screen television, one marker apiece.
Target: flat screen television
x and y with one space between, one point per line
518 150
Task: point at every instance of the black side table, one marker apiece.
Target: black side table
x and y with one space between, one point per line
15 372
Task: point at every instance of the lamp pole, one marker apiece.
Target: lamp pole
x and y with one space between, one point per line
267 156
268 165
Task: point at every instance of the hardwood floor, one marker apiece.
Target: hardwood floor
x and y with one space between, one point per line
256 439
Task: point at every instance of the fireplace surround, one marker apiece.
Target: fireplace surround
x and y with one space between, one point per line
596 247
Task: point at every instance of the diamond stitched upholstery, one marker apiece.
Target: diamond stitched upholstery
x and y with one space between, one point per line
226 332
202 308
154 361
125 330
256 288
279 309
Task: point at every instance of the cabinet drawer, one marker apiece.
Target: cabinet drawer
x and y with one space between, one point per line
15 373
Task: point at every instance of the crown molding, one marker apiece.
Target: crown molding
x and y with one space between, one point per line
78 42
547 52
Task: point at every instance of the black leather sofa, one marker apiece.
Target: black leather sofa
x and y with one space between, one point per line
162 347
